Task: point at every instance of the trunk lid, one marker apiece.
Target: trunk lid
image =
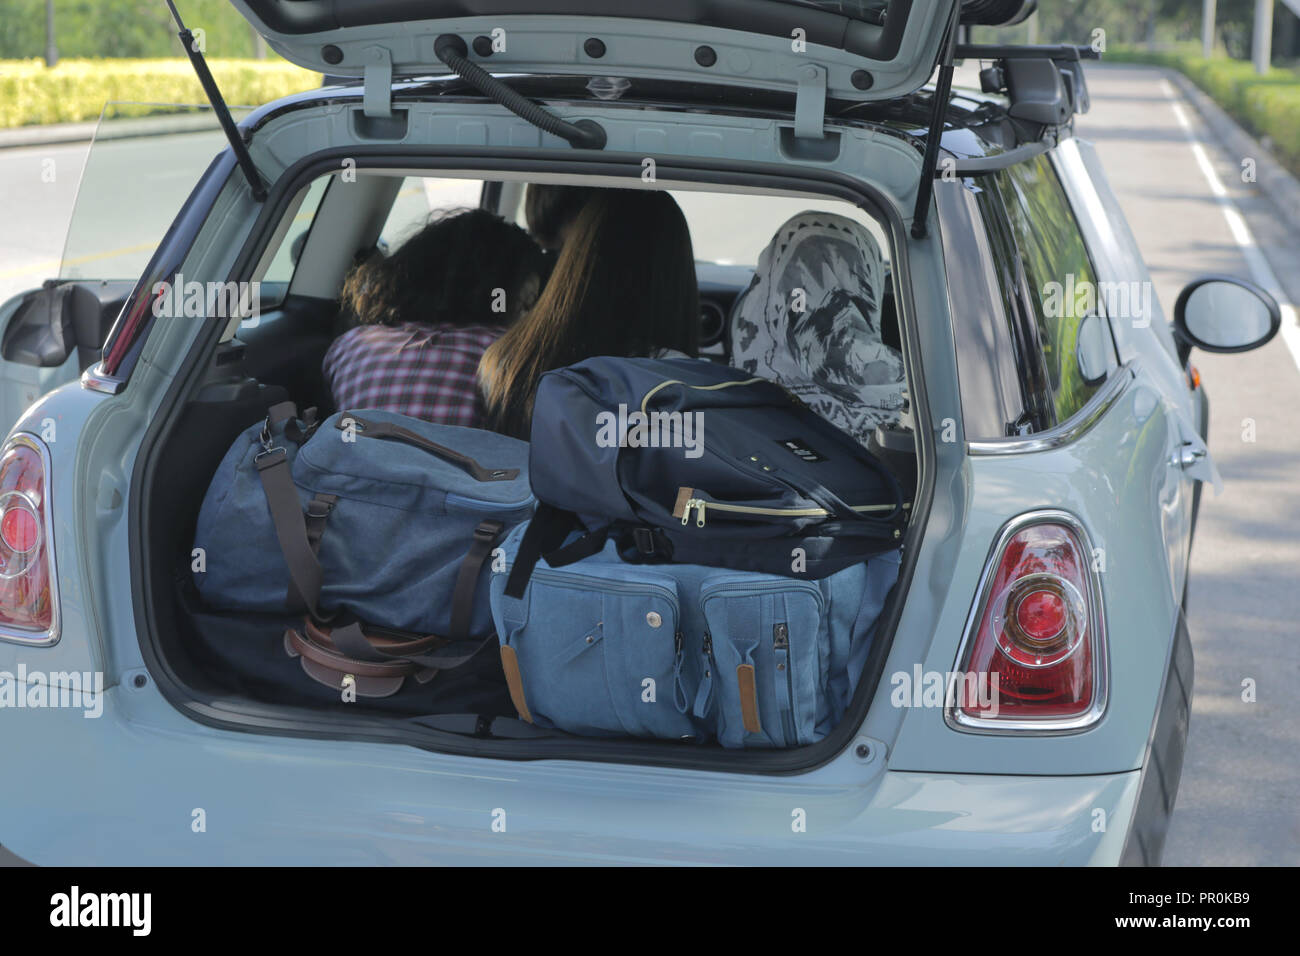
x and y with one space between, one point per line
847 49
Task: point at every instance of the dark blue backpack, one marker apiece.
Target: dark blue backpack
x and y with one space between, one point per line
688 461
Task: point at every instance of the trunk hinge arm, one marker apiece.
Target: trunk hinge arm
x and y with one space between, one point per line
237 144
377 97
942 91
810 103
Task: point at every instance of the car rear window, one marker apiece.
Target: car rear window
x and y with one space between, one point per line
1059 275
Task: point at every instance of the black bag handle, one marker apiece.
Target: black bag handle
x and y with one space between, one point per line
544 538
846 512
406 436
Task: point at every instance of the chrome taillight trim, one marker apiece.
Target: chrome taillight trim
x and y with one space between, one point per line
955 717
49 636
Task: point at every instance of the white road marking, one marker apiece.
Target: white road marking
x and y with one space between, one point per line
1260 269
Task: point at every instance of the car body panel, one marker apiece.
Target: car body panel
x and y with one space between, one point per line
58 420
1112 478
635 132
21 384
271 800
1144 335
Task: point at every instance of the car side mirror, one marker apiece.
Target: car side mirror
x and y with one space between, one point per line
1224 314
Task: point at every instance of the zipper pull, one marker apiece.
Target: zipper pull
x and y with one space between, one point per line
679 690
704 693
697 504
781 637
682 506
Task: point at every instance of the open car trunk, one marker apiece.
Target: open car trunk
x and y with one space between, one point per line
234 669
236 666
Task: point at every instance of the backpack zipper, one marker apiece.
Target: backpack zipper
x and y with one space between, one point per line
704 692
700 388
784 681
700 506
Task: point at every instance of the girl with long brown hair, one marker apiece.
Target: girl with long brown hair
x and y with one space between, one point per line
624 284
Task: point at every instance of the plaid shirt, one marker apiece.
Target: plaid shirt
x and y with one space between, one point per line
425 371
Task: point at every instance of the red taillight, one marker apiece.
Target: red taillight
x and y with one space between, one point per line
19 527
1037 649
1042 614
26 585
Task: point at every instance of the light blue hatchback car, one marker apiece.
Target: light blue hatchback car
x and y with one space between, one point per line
1054 428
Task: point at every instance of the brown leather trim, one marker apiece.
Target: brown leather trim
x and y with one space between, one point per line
748 698
382 640
328 657
364 686
332 677
515 681
683 495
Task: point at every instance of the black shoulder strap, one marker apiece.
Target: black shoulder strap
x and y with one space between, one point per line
281 412
544 538
298 433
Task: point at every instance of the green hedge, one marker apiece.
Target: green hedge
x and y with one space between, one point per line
122 28
76 90
1268 105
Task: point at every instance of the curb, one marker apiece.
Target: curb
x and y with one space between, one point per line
1272 179
124 128
47 135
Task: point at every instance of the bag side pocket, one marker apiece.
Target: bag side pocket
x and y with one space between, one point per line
764 660
598 654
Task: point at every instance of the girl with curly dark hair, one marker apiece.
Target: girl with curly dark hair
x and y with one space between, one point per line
425 315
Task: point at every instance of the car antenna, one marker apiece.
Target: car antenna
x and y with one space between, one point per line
942 90
219 107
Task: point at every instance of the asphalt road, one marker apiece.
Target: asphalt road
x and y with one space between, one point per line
35 209
1238 800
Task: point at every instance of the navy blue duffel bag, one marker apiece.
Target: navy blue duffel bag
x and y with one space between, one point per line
366 519
692 462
